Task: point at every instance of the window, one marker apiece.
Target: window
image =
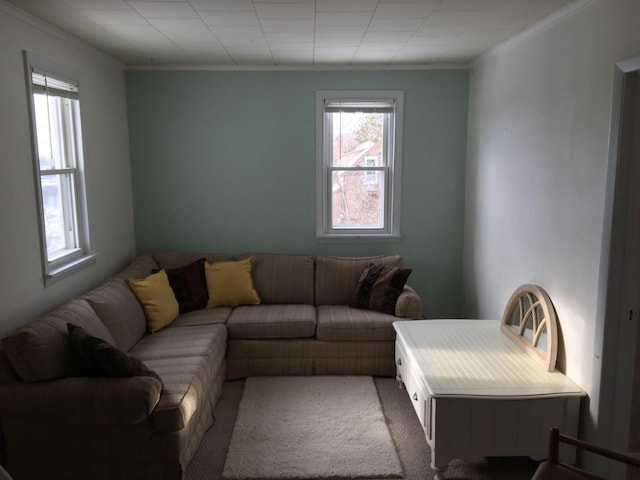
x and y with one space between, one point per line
358 164
57 151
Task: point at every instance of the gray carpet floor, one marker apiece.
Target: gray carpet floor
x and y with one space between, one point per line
405 429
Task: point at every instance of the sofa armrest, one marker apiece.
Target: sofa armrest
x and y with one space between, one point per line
409 304
97 401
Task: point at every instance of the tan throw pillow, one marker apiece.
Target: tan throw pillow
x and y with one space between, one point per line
157 299
230 284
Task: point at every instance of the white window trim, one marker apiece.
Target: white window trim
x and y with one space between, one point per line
82 257
324 232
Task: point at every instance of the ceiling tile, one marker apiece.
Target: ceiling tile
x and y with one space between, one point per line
343 31
395 24
230 18
333 55
405 10
123 18
346 5
222 5
287 25
173 25
337 42
435 2
289 47
289 37
238 34
164 9
96 4
284 1
386 37
470 5
131 34
277 11
343 19
454 18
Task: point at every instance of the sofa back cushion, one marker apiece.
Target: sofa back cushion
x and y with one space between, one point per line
41 349
337 277
169 260
140 267
120 311
281 278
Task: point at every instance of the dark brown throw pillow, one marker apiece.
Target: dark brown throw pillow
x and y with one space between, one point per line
189 285
379 288
101 359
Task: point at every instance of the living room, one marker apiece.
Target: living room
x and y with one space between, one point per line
505 173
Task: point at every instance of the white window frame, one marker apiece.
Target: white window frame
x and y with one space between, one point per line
390 230
77 253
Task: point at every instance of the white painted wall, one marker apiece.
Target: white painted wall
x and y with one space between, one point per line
538 151
108 176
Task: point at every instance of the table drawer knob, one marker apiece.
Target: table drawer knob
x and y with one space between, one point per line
415 397
399 361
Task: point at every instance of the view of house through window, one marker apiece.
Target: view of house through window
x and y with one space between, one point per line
358 142
57 150
360 164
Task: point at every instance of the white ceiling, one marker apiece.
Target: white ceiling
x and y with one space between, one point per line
292 33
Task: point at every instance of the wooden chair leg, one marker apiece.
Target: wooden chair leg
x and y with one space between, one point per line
553 453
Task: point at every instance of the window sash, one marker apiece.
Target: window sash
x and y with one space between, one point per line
59 198
381 219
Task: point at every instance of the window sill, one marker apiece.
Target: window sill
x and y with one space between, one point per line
348 238
64 271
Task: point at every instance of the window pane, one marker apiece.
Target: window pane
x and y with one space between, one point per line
59 214
356 135
357 199
54 131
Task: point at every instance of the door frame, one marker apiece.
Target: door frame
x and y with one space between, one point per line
619 283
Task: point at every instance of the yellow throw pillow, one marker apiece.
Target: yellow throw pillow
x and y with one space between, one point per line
157 298
229 284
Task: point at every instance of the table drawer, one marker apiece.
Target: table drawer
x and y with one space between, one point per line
419 398
402 363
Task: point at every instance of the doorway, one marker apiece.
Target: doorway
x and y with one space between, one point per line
619 403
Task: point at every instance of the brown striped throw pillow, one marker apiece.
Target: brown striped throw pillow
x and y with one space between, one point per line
379 288
101 359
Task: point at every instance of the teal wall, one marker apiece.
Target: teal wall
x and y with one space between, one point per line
225 162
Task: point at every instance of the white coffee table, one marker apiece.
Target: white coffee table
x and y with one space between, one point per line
478 394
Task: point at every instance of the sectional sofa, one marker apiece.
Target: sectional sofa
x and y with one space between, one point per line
61 419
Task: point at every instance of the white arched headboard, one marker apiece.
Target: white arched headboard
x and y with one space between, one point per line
530 320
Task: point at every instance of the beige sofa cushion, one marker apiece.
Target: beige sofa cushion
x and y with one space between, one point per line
120 311
340 323
272 321
204 316
173 342
281 278
337 277
188 361
41 349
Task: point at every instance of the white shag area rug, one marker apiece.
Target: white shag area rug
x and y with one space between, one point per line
311 427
